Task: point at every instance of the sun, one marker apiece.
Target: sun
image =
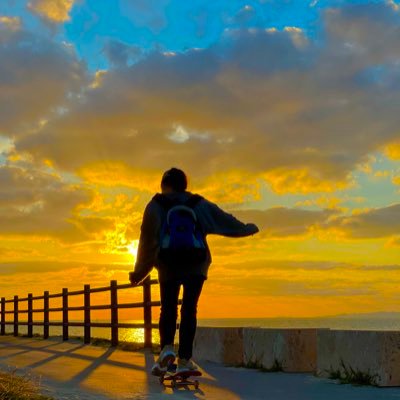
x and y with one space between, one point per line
133 247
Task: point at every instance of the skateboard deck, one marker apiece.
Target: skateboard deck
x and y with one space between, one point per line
181 378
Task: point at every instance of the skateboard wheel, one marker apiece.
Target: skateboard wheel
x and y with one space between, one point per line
196 384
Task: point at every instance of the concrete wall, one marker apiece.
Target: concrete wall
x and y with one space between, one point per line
222 345
376 353
373 352
293 349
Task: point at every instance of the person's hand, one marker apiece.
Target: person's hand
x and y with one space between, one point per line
253 228
136 277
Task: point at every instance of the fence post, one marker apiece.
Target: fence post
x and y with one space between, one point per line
46 315
147 313
15 315
30 315
3 316
114 313
87 314
65 313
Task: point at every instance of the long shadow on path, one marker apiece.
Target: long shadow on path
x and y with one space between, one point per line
76 371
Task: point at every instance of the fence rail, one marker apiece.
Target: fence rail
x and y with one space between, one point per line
87 324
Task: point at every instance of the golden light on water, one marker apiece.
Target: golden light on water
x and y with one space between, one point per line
133 335
136 335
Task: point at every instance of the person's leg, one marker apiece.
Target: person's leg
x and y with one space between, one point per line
169 293
192 287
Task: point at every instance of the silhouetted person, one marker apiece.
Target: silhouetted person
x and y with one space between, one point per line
173 239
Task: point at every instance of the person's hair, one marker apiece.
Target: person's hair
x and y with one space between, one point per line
176 179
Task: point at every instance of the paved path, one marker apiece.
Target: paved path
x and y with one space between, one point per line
73 371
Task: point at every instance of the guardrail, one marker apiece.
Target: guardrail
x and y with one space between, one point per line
114 306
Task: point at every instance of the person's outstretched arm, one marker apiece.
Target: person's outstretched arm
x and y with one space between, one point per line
148 244
217 221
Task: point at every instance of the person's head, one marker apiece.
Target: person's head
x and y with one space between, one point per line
173 180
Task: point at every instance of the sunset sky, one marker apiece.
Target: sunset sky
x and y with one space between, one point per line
286 113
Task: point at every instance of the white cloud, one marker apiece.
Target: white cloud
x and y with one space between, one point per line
179 135
182 135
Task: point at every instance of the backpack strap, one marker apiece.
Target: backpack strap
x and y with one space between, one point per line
163 201
193 200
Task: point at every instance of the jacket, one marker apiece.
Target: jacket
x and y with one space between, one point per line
212 220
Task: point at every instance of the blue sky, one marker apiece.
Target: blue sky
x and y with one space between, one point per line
168 25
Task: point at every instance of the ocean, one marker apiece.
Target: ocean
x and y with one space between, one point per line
381 322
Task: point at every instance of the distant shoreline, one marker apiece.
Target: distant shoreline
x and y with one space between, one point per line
361 322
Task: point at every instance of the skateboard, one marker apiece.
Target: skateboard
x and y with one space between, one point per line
180 378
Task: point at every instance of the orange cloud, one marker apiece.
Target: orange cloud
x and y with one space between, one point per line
382 174
304 181
90 152
35 203
393 151
232 187
53 10
396 180
115 173
393 242
331 202
333 287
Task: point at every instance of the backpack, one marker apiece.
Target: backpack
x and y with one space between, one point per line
182 242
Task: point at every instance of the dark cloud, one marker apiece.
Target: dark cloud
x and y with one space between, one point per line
374 223
282 221
119 54
36 77
259 100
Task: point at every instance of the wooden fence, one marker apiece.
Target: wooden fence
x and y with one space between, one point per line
114 306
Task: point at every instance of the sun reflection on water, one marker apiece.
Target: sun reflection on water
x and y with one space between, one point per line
132 335
136 335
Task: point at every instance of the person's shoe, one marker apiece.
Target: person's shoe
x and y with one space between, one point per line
166 357
186 366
